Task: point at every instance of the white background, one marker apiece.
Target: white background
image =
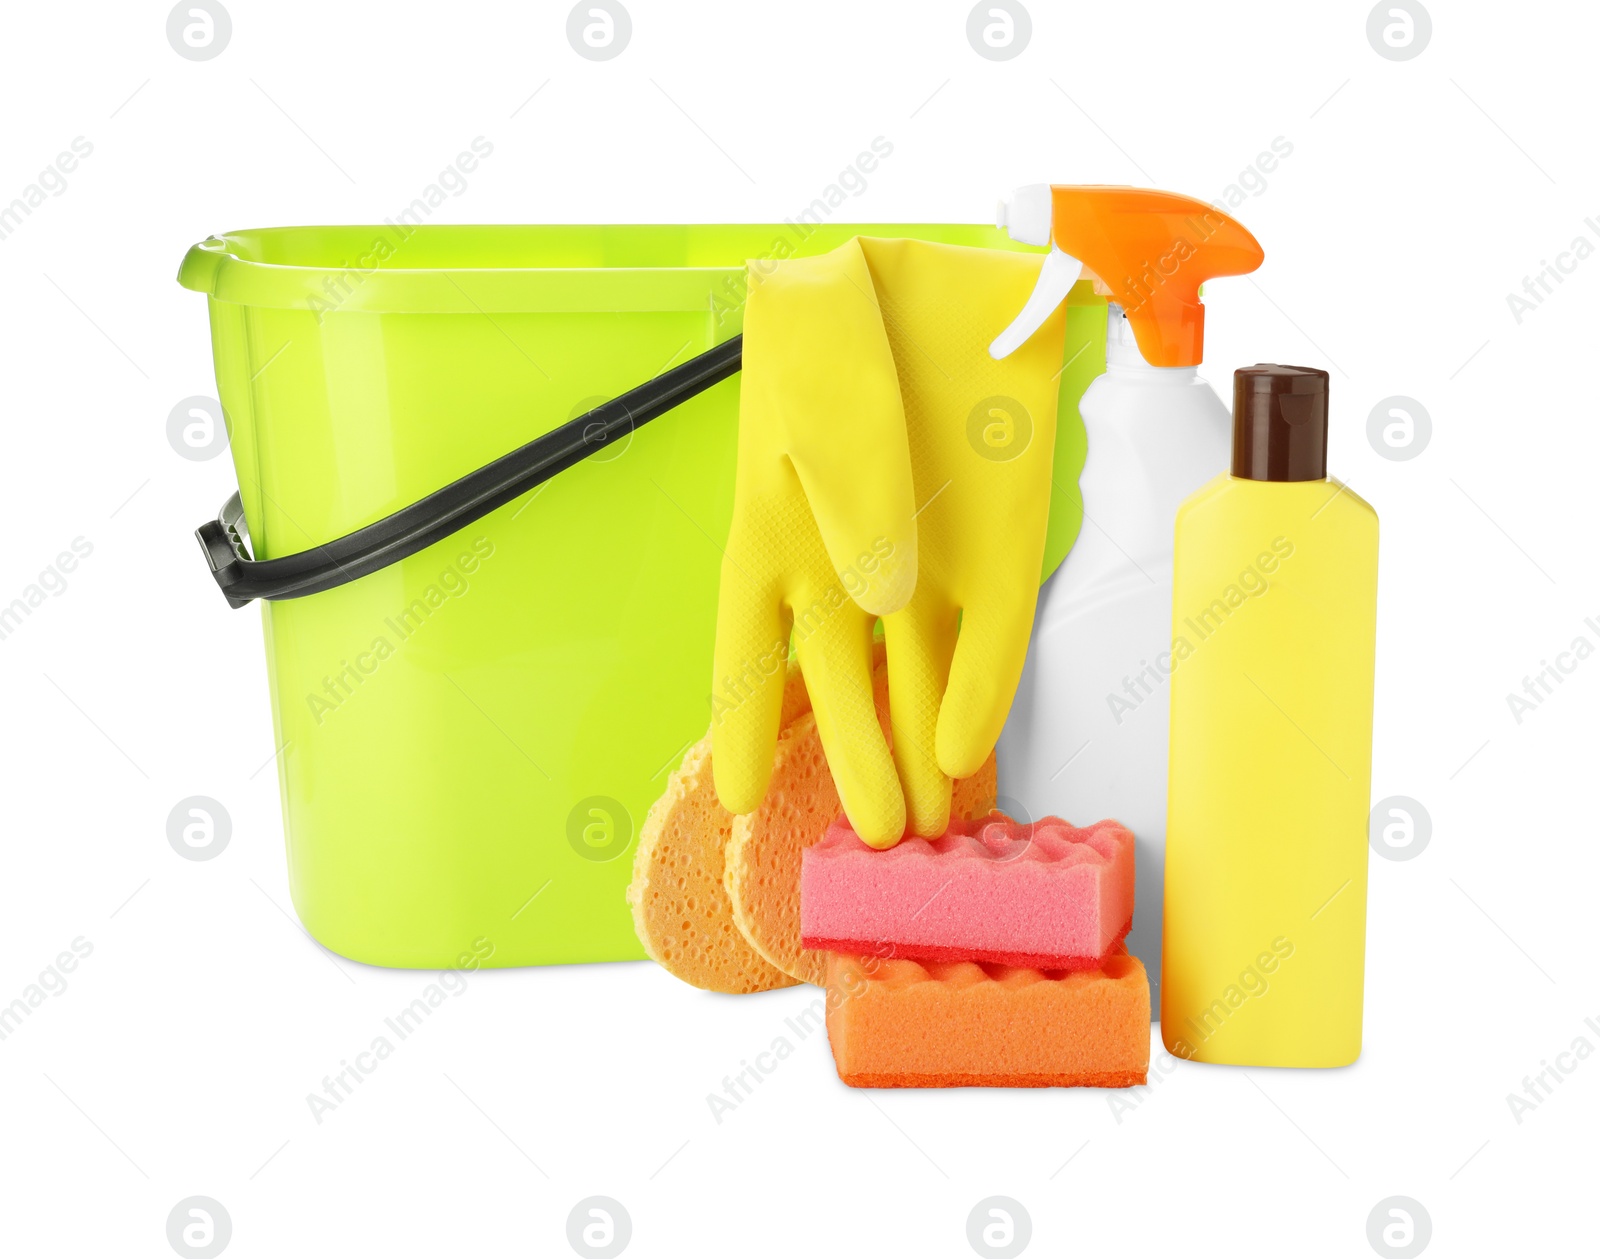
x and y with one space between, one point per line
1418 195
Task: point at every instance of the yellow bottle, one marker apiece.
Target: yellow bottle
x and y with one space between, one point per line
1275 587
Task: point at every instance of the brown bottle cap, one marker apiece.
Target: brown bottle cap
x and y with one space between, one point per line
1280 423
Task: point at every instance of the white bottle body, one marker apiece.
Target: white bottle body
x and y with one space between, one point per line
1087 734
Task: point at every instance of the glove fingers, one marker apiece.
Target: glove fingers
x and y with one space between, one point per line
920 641
836 658
752 655
983 681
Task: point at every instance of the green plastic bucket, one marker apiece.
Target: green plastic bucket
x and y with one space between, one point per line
469 740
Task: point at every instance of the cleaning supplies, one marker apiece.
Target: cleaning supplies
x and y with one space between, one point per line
1087 735
448 693
1044 895
833 345
492 715
1274 621
903 1024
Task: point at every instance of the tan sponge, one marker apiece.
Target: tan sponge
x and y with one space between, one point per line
681 910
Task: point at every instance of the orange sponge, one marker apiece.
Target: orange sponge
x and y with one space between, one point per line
895 1023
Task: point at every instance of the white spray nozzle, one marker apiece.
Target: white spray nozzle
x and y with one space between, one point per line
1056 278
1025 214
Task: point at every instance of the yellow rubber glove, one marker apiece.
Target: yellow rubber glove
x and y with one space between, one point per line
982 438
823 536
867 384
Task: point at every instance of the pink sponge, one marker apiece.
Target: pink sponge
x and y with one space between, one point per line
1046 896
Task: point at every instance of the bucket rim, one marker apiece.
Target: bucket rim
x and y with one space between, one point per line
245 267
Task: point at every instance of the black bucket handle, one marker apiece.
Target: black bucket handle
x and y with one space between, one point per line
455 506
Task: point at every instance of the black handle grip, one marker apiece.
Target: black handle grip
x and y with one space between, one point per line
456 505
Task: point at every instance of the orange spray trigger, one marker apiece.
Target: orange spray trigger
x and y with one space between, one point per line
1152 250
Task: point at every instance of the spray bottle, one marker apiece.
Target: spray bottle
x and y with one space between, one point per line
1087 735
